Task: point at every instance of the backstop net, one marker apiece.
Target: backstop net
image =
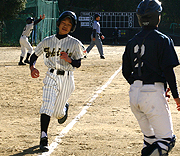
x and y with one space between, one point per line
12 29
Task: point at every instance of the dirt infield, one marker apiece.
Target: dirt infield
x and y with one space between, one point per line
107 129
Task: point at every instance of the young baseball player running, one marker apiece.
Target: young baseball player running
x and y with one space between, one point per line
24 39
148 63
96 37
62 53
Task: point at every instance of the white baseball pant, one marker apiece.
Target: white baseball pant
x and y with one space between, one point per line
25 45
56 92
149 105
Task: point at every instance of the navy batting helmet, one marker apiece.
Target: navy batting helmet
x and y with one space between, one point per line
29 20
71 15
96 15
148 12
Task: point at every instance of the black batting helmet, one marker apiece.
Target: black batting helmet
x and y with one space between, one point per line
96 15
29 20
148 12
71 15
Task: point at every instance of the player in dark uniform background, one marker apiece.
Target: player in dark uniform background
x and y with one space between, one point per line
148 63
116 35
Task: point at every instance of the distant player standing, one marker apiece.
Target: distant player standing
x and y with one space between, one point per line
116 35
62 53
96 37
24 39
148 63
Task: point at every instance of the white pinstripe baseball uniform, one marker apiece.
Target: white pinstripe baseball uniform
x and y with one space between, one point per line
58 88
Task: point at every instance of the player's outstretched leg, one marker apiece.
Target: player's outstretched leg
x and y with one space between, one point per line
63 119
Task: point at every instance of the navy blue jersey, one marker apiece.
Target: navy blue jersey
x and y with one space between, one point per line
157 54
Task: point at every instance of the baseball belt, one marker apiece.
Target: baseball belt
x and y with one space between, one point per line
59 72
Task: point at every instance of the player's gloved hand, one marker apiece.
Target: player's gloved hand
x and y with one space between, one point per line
65 57
94 39
178 103
34 72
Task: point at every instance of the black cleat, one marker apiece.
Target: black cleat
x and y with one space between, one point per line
102 57
63 119
44 144
21 64
26 61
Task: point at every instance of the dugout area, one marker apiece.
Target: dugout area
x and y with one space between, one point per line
125 22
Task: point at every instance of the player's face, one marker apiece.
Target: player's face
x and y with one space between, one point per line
97 18
65 26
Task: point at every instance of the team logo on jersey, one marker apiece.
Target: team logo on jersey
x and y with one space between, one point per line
55 53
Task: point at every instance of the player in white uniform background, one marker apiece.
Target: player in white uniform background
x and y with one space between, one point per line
62 53
24 39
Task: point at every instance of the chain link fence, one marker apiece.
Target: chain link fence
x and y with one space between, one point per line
12 29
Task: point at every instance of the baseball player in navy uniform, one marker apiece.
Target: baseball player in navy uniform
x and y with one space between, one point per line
116 35
24 39
148 63
96 37
62 54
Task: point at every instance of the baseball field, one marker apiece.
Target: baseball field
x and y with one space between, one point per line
100 121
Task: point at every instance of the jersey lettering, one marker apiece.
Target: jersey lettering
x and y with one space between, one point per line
53 52
136 48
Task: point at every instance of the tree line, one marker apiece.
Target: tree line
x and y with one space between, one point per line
9 9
